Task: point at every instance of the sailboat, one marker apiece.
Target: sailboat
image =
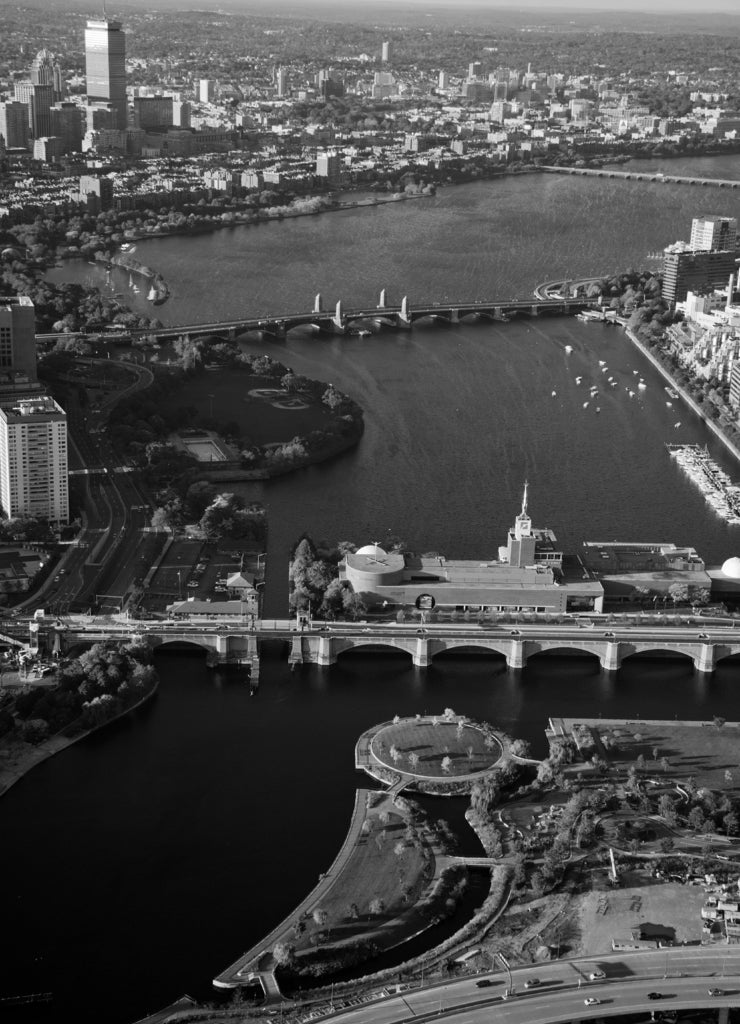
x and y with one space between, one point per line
152 294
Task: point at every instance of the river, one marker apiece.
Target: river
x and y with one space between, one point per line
145 859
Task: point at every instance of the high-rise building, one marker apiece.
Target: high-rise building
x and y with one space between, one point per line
33 459
443 81
14 124
281 81
153 112
710 234
206 90
17 336
105 66
328 165
42 69
181 113
38 99
686 269
68 122
385 52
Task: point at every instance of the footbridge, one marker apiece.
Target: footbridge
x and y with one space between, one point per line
322 643
338 320
654 176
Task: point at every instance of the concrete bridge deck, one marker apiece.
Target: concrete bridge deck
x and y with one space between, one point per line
339 320
653 176
237 642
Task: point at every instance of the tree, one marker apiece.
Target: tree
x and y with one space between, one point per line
696 818
719 721
678 593
284 954
731 822
446 764
665 764
728 776
414 760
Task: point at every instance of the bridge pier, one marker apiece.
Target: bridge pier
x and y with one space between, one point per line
610 659
327 654
704 661
318 305
515 658
421 654
454 316
723 1014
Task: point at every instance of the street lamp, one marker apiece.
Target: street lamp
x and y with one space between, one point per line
210 398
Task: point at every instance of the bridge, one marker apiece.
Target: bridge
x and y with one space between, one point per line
654 176
338 320
237 642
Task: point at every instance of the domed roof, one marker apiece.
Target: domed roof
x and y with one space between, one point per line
372 549
731 568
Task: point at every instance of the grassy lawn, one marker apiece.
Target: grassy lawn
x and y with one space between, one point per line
466 748
704 752
377 870
261 419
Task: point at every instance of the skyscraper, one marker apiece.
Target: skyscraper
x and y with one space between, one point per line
105 66
42 69
14 123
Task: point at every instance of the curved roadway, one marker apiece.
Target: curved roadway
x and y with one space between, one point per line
682 975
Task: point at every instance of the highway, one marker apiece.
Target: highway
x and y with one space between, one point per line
682 975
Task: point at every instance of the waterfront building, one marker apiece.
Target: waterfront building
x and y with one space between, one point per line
713 234
685 269
531 574
105 67
628 569
33 460
205 611
14 124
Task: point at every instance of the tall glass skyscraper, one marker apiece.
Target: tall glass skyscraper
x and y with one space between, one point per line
105 66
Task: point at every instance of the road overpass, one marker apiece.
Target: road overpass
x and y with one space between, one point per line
229 641
338 320
682 976
652 176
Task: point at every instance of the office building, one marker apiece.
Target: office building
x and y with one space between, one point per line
100 188
105 66
14 124
385 52
68 123
33 459
735 386
711 234
686 269
153 113
38 99
42 69
181 113
443 81
206 90
17 336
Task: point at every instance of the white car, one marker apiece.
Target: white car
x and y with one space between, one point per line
596 975
592 1001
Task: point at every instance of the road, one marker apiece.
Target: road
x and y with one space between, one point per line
682 975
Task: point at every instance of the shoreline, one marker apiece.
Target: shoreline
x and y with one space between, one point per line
29 759
719 434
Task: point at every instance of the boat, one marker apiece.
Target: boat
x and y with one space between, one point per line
586 405
642 385
671 393
554 394
364 333
602 362
578 380
568 349
598 408
151 296
676 425
135 289
126 247
669 405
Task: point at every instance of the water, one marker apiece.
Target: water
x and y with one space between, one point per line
145 859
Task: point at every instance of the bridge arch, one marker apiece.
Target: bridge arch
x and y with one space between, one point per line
181 642
380 644
534 648
632 650
451 646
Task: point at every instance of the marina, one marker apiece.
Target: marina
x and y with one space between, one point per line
716 485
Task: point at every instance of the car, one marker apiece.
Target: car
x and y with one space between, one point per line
483 983
716 992
515 632
610 635
655 995
56 578
592 1001
421 631
531 983
704 636
595 975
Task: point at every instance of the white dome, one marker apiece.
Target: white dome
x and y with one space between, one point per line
377 551
731 568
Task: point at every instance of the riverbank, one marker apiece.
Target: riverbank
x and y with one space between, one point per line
25 756
718 433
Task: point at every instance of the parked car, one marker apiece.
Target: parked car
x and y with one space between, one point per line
531 983
595 975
